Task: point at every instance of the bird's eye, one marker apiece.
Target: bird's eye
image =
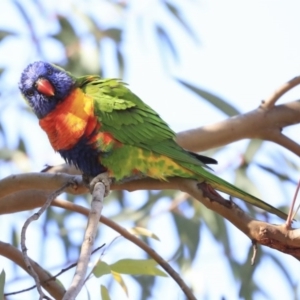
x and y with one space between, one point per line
29 93
49 71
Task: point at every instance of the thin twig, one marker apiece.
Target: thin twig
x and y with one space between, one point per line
86 249
291 215
26 257
52 277
254 247
35 217
270 102
55 289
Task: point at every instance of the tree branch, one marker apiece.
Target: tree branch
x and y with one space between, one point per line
32 218
258 123
44 181
284 141
274 236
54 288
88 242
270 101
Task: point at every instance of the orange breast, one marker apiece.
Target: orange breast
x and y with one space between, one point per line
70 120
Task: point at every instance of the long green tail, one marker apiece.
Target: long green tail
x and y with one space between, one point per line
224 186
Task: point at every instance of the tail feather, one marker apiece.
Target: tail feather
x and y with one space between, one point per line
204 159
226 187
236 192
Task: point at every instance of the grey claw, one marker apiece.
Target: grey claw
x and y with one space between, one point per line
103 178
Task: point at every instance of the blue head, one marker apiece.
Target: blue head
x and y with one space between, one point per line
44 86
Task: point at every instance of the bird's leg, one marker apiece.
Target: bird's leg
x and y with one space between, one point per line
212 194
103 178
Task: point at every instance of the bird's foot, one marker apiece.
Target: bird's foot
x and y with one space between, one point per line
103 178
212 194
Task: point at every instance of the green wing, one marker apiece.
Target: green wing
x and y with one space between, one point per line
131 121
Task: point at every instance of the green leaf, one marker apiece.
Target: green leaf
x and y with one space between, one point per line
114 34
218 102
147 286
249 287
188 231
2 281
244 183
144 232
283 269
216 225
281 176
164 36
252 148
15 237
137 267
117 277
101 268
120 60
291 164
67 34
104 293
176 13
4 34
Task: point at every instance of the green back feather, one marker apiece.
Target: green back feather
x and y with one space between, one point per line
133 122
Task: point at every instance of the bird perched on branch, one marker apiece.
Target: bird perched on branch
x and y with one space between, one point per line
99 126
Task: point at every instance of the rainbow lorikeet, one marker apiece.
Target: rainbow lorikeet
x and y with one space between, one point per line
99 125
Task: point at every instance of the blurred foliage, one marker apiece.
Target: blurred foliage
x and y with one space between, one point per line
127 266
214 100
82 35
104 293
2 282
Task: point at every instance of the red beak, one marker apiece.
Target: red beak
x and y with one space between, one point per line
45 87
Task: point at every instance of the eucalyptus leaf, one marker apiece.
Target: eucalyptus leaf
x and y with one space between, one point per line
144 232
280 175
166 39
213 99
243 181
283 269
117 277
101 268
113 33
120 59
178 16
67 34
246 270
188 231
2 282
4 34
137 267
104 293
252 148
